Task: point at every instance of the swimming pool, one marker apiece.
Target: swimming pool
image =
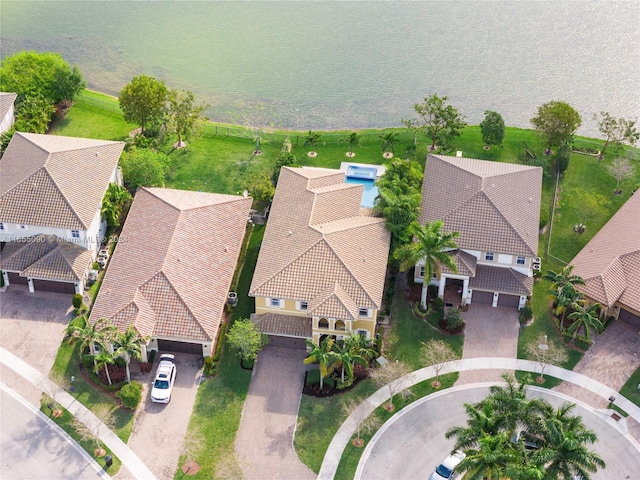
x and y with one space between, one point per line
370 190
365 173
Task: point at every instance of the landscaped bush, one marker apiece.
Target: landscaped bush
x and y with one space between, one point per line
313 377
418 312
452 321
438 303
116 374
87 361
77 301
210 366
152 355
120 362
130 395
525 314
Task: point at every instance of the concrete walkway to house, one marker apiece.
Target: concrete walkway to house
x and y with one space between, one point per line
264 444
489 332
347 429
128 458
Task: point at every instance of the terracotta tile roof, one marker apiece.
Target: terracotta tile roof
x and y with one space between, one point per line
55 181
501 279
495 206
46 257
287 325
318 242
172 268
465 263
6 101
610 262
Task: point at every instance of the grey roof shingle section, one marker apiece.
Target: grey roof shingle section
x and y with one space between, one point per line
502 280
172 269
610 262
495 206
287 325
465 263
6 102
55 181
46 257
316 239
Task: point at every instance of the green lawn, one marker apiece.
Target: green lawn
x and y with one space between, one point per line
219 401
631 389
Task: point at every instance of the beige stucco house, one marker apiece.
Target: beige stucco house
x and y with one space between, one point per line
51 191
170 273
322 263
610 264
496 208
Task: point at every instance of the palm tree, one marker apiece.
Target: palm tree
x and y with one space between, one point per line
323 355
482 420
565 440
564 277
388 141
353 350
344 359
130 346
103 359
400 210
587 317
431 244
100 333
491 458
312 139
353 140
566 297
361 346
114 201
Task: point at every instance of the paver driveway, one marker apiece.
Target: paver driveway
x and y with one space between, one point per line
264 445
31 327
489 332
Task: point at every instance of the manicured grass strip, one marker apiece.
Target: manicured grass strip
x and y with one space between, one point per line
66 423
219 401
630 390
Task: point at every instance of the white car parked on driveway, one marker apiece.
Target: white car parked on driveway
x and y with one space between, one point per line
165 377
445 469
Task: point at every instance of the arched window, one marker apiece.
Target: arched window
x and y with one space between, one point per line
340 325
323 323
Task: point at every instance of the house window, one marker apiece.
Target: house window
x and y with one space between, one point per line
340 325
422 271
23 227
520 260
323 323
1 226
274 302
488 256
75 234
304 305
363 312
363 333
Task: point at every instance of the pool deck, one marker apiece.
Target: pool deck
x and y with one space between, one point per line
380 169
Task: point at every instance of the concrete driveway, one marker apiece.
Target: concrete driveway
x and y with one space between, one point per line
264 445
31 327
489 332
159 429
413 443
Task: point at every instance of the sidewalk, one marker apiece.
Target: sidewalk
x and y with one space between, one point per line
128 458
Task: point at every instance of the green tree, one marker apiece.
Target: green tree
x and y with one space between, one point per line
352 140
616 131
30 74
33 114
563 289
492 128
482 419
437 120
143 100
312 140
103 360
129 345
245 338
431 245
556 122
261 188
101 333
143 167
587 318
183 115
491 458
389 140
407 174
323 355
386 375
565 439
562 158
285 159
115 202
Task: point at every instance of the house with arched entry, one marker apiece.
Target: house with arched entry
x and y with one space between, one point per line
323 259
495 207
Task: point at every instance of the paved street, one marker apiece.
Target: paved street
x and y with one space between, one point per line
31 447
412 443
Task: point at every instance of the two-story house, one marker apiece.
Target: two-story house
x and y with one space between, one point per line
51 192
7 111
610 264
322 263
495 207
170 273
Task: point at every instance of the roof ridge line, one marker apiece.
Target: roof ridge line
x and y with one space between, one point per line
349 271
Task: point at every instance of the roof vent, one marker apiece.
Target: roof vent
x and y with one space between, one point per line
226 249
289 233
530 200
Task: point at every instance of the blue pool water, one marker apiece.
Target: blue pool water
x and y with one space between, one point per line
356 171
370 190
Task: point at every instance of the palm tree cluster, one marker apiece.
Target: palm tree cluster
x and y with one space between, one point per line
569 303
343 354
510 436
112 343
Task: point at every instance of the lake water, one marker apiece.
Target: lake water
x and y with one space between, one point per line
349 64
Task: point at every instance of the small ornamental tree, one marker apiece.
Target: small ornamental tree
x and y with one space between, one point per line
364 423
492 128
435 353
352 140
312 140
261 188
92 429
620 169
56 384
245 338
545 353
616 131
387 375
143 100
130 395
285 159
183 115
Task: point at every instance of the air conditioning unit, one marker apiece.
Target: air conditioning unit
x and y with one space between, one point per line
536 260
536 266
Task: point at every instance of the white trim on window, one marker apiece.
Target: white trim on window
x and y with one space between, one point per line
302 305
363 312
275 302
521 260
75 233
1 226
488 256
363 333
422 271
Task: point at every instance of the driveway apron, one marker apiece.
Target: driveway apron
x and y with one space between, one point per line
264 444
489 332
